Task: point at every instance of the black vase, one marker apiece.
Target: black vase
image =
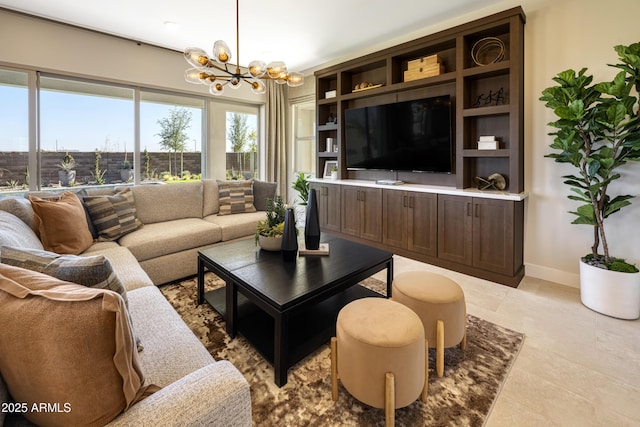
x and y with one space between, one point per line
312 223
289 237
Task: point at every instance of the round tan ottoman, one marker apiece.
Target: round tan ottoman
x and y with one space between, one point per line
379 354
439 302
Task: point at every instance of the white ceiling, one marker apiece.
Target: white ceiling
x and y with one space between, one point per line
303 33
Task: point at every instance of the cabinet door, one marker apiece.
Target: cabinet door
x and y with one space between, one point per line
422 223
371 214
455 224
328 197
493 235
394 218
350 207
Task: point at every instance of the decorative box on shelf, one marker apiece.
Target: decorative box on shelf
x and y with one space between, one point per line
330 94
488 143
421 68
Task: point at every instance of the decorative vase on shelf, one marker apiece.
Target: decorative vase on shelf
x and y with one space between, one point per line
289 246
312 223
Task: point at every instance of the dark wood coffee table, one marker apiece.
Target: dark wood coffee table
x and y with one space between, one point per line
287 310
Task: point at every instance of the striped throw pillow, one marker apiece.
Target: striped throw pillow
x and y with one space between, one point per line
235 197
113 216
92 271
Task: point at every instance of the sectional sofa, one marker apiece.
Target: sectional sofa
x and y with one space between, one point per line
174 223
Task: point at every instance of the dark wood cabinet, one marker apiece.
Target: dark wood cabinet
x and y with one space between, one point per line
480 232
328 197
476 235
361 212
410 221
455 229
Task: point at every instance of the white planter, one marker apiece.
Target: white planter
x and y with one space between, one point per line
301 215
270 243
611 293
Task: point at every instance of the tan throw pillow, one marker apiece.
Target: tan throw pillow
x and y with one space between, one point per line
235 197
113 216
93 271
67 344
61 224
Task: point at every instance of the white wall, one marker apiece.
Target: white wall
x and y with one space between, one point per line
49 46
561 34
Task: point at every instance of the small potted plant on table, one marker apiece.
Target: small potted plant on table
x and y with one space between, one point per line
597 131
269 231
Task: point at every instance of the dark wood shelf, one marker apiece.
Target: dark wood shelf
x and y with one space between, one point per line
486 111
472 152
332 126
329 154
327 101
496 69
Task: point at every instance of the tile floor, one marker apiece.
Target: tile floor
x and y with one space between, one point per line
576 367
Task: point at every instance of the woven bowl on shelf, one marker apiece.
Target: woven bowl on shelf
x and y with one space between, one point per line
487 51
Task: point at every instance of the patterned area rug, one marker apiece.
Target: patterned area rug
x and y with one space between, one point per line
463 397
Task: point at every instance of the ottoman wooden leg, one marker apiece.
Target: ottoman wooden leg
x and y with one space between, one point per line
440 348
389 400
425 389
463 343
334 368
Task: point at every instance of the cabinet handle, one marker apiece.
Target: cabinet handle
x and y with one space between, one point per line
468 209
363 196
404 201
411 202
477 210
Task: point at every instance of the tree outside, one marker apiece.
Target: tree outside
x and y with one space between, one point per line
173 134
242 138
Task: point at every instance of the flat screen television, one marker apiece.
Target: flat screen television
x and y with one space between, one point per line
411 136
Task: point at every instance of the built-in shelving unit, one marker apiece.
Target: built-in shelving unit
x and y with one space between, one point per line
441 219
469 84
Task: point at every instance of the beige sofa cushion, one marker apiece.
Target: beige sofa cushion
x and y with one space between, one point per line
211 201
20 207
73 343
235 226
123 262
14 232
175 236
157 203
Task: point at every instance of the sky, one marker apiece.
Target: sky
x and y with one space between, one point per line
72 122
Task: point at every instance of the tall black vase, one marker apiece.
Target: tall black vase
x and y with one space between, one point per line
312 223
289 237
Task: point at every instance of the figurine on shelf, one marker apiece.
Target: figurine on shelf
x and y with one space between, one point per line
497 97
332 119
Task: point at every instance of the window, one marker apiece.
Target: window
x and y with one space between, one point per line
60 132
242 145
86 132
304 140
170 137
14 137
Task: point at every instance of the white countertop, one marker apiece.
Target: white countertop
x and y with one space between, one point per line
438 189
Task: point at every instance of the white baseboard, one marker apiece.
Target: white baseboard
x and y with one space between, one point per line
553 275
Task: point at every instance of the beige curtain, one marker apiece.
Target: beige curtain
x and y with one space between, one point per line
276 118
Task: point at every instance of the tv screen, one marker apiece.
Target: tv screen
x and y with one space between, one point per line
405 136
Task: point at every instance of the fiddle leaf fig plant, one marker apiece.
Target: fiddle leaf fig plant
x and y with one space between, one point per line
597 131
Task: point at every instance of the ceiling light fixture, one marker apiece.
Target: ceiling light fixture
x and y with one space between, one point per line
205 68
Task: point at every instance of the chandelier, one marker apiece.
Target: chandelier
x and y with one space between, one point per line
217 72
